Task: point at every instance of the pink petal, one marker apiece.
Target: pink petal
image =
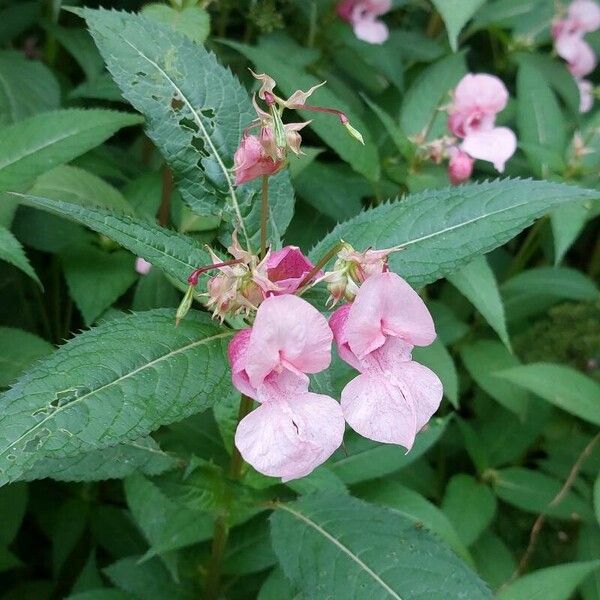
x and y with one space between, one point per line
386 305
495 146
371 31
481 92
290 437
288 333
586 13
287 268
377 410
378 7
460 166
142 266
586 96
236 353
337 322
577 52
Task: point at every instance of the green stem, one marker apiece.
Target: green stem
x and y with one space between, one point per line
264 215
221 532
312 26
320 264
52 12
526 251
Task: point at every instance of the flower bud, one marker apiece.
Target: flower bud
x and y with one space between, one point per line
460 166
185 305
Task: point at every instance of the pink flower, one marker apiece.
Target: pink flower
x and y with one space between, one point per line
293 430
472 116
286 268
580 57
362 15
142 266
583 16
252 161
586 95
394 396
460 166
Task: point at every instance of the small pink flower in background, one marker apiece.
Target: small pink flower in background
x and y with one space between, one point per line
460 166
583 16
142 266
477 99
394 396
362 15
293 430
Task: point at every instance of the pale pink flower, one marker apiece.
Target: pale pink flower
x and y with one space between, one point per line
460 166
293 430
579 55
252 161
586 94
476 101
142 266
362 15
394 396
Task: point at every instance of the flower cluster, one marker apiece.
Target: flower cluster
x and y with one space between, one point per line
582 16
295 430
266 152
363 16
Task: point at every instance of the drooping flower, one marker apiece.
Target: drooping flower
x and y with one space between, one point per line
287 268
394 396
293 430
363 16
460 166
477 99
586 95
251 160
142 266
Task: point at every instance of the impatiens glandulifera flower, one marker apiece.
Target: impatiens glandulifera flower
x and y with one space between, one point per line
583 16
293 430
266 153
477 99
460 166
394 396
142 266
352 268
362 15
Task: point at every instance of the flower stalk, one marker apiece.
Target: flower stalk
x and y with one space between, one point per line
264 215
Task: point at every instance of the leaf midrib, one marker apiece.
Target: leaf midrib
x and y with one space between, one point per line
341 547
111 383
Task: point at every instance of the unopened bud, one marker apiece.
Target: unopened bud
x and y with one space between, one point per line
185 305
353 132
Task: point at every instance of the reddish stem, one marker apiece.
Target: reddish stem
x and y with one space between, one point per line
332 111
193 278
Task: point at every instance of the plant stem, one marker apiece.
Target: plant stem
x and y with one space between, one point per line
526 251
52 11
264 215
312 27
221 532
320 264
165 202
434 25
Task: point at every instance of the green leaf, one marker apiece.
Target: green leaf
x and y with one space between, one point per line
192 21
560 385
176 254
470 505
552 583
544 136
249 549
393 129
532 491
413 506
420 114
196 112
483 359
116 462
597 497
166 525
12 252
495 563
18 350
440 361
289 78
96 278
145 373
16 18
567 223
37 144
13 505
8 560
154 290
456 13
366 459
76 185
351 549
442 230
588 548
535 290
278 586
80 45
477 282
101 594
27 87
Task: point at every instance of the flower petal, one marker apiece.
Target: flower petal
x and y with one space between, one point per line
289 438
371 30
287 268
378 410
236 353
288 333
386 305
495 146
586 13
480 93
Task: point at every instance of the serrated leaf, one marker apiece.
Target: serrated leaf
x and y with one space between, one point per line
351 549
27 87
455 14
442 230
470 505
18 350
567 223
196 112
477 282
39 143
552 583
96 278
116 462
12 252
249 549
146 372
192 21
177 255
560 385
